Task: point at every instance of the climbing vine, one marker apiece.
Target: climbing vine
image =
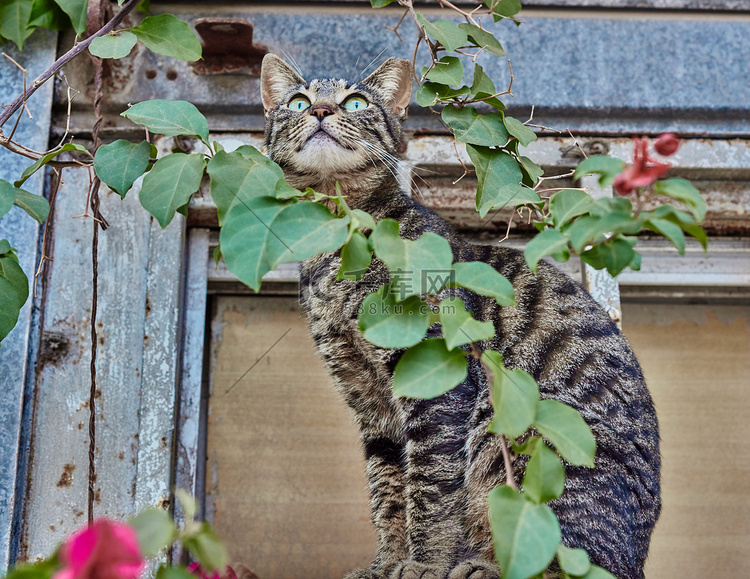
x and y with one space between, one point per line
265 222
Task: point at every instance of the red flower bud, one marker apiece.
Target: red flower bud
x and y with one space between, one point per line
666 144
644 170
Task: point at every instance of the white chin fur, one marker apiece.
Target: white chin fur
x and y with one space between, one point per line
324 155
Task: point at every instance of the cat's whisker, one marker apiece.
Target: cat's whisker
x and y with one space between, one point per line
373 61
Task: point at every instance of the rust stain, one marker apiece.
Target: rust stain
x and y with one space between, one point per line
228 46
66 478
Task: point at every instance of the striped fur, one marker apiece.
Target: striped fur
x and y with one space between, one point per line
431 463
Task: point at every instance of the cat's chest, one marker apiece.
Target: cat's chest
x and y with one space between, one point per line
336 301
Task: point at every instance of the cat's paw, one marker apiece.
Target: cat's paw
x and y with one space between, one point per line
475 569
363 574
414 570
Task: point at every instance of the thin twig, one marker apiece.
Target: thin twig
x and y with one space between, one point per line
54 186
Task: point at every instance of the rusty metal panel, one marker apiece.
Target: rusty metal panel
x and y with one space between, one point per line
137 360
18 349
600 72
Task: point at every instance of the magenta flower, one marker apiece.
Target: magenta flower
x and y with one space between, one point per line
106 549
644 170
666 144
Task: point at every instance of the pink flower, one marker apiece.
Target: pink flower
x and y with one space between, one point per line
106 549
643 172
198 570
666 144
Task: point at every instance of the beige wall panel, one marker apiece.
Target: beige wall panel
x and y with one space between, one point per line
697 364
285 468
285 472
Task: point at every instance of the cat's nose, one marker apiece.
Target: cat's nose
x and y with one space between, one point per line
321 111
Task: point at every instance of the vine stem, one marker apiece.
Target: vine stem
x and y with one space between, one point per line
95 16
510 480
62 61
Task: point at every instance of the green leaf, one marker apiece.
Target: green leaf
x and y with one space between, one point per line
485 280
40 570
240 176
520 131
566 430
35 205
483 39
446 33
428 370
422 266
471 127
567 204
262 232
532 170
391 324
606 167
355 257
9 308
515 395
613 255
459 326
13 274
502 8
590 228
482 84
170 184
170 118
669 230
5 246
113 46
39 163
7 197
168 35
155 530
430 92
14 18
546 242
47 14
447 70
165 572
76 11
362 219
573 561
206 546
120 163
380 3
545 475
525 535
683 190
498 180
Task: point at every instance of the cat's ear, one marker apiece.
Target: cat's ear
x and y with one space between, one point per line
277 78
393 79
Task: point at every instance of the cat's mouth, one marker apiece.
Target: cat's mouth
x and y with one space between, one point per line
321 136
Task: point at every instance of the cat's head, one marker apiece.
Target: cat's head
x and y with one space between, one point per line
328 130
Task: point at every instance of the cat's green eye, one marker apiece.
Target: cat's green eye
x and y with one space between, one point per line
355 103
299 103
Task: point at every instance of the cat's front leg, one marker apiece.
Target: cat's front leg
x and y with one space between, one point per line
385 475
436 433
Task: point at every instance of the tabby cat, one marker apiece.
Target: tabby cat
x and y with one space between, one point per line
432 463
